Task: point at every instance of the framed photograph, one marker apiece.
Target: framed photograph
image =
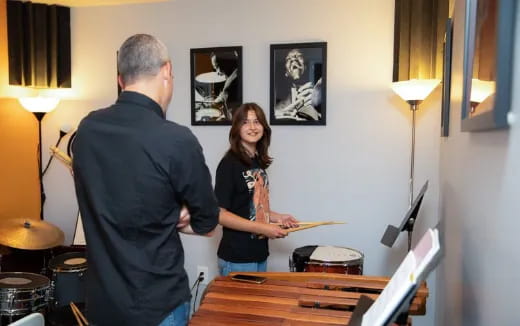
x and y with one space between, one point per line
446 79
216 84
298 93
488 62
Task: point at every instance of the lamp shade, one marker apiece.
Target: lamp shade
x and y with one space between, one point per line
415 89
481 89
39 104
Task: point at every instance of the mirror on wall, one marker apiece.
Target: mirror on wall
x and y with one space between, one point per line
488 58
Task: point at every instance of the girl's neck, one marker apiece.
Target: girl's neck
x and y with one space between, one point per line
250 149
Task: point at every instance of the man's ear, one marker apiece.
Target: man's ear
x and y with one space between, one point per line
120 82
167 71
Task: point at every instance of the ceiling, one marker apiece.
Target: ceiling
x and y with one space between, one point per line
93 3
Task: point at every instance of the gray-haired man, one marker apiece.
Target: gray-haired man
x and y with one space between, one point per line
135 174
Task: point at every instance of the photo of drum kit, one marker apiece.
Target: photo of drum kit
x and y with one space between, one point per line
23 289
206 107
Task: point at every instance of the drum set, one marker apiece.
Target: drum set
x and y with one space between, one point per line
48 291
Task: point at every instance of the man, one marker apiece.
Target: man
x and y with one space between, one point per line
134 171
302 100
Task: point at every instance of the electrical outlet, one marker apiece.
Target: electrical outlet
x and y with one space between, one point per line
203 269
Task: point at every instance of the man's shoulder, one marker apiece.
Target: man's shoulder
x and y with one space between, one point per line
176 131
94 116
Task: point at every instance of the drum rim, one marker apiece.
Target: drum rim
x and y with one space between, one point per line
60 267
358 261
68 270
17 312
33 277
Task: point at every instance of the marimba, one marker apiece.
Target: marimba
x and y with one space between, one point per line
303 299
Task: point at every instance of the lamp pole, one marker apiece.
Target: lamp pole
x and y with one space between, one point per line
413 91
414 106
39 116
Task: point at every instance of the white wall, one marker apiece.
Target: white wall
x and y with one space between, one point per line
354 169
479 279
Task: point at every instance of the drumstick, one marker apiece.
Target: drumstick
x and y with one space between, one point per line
312 223
78 320
307 225
311 226
61 156
78 314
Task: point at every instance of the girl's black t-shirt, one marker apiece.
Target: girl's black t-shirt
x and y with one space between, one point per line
235 188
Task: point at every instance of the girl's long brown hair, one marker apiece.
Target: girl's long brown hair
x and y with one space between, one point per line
262 146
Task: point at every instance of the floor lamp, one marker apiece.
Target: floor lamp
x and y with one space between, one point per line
413 91
39 106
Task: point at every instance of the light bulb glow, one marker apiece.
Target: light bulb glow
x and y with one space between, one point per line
39 104
481 89
415 89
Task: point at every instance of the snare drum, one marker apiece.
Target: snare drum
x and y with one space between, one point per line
327 259
21 294
68 274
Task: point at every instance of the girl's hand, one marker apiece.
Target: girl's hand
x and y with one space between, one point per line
287 220
272 231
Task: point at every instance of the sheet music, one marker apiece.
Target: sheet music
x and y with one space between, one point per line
412 270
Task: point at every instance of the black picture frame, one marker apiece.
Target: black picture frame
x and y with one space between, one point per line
446 79
488 56
298 97
216 84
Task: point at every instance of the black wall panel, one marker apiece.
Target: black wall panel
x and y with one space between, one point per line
38 45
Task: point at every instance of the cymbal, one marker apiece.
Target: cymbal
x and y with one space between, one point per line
24 233
211 77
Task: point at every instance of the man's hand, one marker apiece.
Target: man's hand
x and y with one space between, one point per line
304 95
184 217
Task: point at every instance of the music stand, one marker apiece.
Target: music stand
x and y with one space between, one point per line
392 232
399 316
393 304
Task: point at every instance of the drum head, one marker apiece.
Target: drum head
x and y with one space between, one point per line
69 262
331 254
301 256
303 252
19 280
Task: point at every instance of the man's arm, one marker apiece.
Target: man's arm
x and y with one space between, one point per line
188 230
184 223
191 181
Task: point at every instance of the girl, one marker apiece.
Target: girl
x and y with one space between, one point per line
242 188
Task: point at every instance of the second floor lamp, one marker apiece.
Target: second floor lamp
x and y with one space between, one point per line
39 106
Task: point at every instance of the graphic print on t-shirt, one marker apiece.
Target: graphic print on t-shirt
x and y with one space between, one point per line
258 185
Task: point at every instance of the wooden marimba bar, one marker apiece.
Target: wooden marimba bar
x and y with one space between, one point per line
302 299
